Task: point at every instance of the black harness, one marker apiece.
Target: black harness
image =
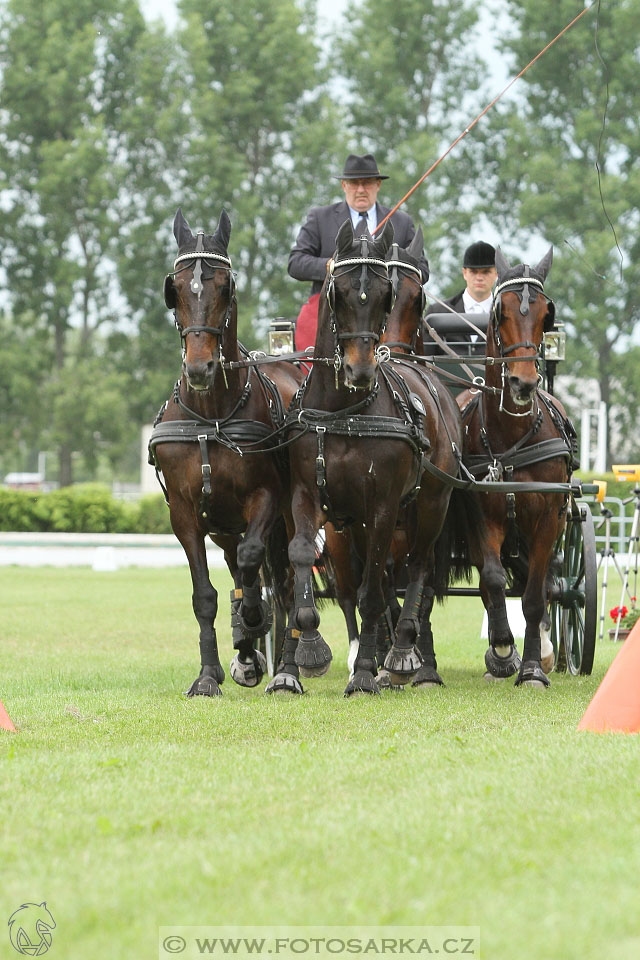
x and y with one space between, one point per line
352 421
232 432
523 453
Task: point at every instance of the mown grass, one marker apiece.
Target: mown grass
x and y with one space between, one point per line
126 807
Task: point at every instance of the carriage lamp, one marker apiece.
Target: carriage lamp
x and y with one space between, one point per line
281 336
554 343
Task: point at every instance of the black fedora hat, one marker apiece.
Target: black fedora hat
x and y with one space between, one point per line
359 168
479 255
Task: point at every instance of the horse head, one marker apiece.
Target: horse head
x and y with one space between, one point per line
521 313
358 292
201 292
408 299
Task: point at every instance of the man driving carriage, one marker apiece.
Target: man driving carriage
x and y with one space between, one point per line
316 241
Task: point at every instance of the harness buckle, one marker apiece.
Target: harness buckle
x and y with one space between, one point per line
495 472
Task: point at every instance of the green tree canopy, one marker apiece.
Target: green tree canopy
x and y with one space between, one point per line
543 183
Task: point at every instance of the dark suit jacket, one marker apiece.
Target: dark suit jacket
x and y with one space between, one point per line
316 242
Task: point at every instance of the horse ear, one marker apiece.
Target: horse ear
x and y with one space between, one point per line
415 247
502 265
181 229
545 264
386 237
223 230
344 237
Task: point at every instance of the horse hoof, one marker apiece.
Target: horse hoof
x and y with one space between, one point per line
531 675
361 682
204 686
383 679
313 656
284 683
427 678
489 677
402 663
251 673
502 667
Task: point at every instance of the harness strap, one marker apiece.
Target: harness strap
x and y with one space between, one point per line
206 466
535 453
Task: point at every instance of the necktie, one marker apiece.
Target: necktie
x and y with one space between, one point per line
361 226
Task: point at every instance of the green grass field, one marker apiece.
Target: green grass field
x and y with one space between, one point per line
127 807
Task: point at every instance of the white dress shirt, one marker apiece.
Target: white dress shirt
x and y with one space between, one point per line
476 306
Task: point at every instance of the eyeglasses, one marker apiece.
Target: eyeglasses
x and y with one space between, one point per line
363 183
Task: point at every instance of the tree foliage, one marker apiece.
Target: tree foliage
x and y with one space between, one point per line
108 124
414 78
579 110
263 136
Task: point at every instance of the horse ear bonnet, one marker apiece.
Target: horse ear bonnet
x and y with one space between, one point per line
169 292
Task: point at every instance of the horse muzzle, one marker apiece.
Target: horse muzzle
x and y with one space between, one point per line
359 376
200 376
522 390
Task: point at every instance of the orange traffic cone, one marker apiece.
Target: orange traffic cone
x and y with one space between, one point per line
616 703
6 722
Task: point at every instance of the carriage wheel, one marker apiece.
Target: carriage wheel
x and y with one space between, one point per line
574 593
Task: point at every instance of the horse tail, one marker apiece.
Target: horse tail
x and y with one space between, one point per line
275 566
459 540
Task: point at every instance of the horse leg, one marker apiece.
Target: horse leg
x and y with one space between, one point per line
502 658
251 616
371 603
345 563
427 676
534 603
404 660
312 655
205 608
287 679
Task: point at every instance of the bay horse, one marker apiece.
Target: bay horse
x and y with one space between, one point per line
403 337
365 435
514 431
213 443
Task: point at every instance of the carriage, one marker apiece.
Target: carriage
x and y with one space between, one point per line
259 457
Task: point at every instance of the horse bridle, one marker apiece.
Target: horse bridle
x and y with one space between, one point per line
396 265
196 286
365 262
519 286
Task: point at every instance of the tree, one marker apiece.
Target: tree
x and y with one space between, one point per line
263 140
414 79
68 79
542 180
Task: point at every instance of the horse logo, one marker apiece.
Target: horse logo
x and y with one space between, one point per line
30 929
